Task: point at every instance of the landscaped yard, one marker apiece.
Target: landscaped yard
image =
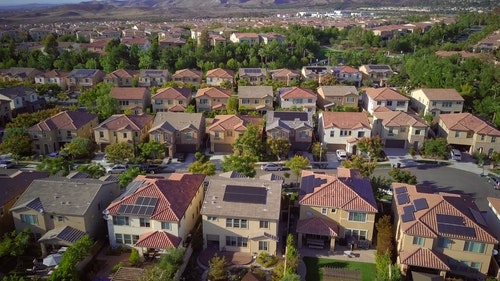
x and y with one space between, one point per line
314 266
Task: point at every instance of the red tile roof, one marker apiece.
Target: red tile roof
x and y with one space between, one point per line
187 73
66 120
234 122
318 226
381 94
129 93
400 119
468 122
126 122
348 69
172 93
220 73
121 73
214 92
345 120
423 257
297 92
441 94
158 240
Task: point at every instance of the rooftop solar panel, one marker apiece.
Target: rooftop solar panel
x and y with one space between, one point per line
449 219
407 217
478 217
401 189
456 230
420 204
290 116
403 198
245 194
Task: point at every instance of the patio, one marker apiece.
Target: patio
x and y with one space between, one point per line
359 255
233 258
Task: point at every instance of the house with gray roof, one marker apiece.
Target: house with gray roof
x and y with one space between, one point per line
295 126
84 78
259 98
60 210
21 74
21 99
255 76
178 131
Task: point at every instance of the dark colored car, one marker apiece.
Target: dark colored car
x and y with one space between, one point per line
150 168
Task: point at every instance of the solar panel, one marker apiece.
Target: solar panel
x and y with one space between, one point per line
245 194
420 204
153 201
379 67
408 214
478 217
456 230
401 189
121 210
450 219
139 200
290 116
403 198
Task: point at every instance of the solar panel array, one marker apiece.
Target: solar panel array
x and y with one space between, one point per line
403 198
401 189
245 194
454 225
408 214
420 204
84 72
290 116
157 72
379 67
252 71
144 206
478 217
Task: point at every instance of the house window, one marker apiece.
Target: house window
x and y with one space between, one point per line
209 218
475 247
345 133
402 129
236 241
350 99
237 223
124 135
60 218
309 101
356 233
217 135
29 219
482 137
118 238
324 211
333 211
101 134
434 103
166 225
135 238
145 222
493 139
120 220
457 134
332 133
475 265
417 132
418 240
229 222
203 101
263 245
68 134
401 103
389 103
379 103
361 134
229 133
158 101
303 134
264 224
447 104
391 132
127 239
444 242
189 136
355 216
169 101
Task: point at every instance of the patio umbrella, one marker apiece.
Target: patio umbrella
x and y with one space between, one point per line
52 260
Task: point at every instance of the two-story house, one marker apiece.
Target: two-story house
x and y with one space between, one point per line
314 72
259 98
187 76
12 187
348 75
215 77
378 73
268 38
469 132
242 216
386 97
212 98
297 97
440 233
171 99
178 131
84 78
336 207
399 129
155 213
5 111
295 126
21 100
285 76
249 38
153 77
20 74
225 129
52 77
60 210
123 128
255 76
121 77
332 96
436 101
53 133
137 100
342 130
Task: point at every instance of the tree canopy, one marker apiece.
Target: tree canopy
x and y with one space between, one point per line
243 164
119 152
297 164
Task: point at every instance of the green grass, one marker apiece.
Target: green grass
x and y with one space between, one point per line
314 265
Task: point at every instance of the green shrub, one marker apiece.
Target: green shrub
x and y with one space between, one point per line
134 259
116 267
266 260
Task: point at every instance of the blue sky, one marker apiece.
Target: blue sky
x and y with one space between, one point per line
21 2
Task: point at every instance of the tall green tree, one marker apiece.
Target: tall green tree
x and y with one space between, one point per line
357 162
14 243
436 148
67 270
129 175
232 105
50 46
200 167
379 185
119 152
372 146
55 166
16 141
403 176
94 170
217 266
278 147
297 164
80 148
151 149
250 143
291 256
243 164
319 150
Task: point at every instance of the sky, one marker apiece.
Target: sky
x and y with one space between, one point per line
23 2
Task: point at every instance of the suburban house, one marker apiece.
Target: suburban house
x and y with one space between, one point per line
336 207
142 42
295 126
267 38
311 72
348 74
121 77
242 216
378 73
492 216
136 100
5 111
399 129
53 133
469 132
255 76
155 213
436 101
285 76
153 77
178 131
123 128
225 129
21 100
84 78
52 77
297 97
12 187
440 233
187 76
212 98
342 130
332 96
259 98
59 210
20 74
217 76
171 99
250 38
387 97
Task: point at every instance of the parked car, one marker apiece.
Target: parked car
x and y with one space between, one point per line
6 164
117 169
341 154
495 181
271 167
150 168
455 154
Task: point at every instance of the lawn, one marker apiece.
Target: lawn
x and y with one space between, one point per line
314 268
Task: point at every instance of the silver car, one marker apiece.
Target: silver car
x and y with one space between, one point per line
117 169
271 167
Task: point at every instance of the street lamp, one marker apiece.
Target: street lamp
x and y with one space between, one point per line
321 151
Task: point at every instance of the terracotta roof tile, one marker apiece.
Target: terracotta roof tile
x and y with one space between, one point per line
234 122
468 122
381 94
193 73
318 226
121 122
66 120
214 92
158 240
129 93
337 91
348 69
284 72
297 92
345 120
172 93
400 119
423 257
121 73
220 73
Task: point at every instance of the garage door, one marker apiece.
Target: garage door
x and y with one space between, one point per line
395 143
222 147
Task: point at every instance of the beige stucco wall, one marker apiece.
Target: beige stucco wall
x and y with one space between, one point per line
254 103
208 106
167 103
474 140
424 105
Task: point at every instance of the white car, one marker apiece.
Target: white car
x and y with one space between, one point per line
456 155
271 167
341 154
117 169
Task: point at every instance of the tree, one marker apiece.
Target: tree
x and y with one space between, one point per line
199 167
278 146
297 164
216 271
14 243
403 176
16 141
80 148
171 261
357 162
119 152
371 146
318 150
106 106
386 270
243 164
134 259
55 166
50 46
151 149
232 105
66 270
129 175
384 235
436 147
250 143
379 184
291 277
94 170
291 256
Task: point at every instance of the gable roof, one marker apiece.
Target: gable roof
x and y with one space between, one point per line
347 69
177 121
318 226
284 72
66 120
154 73
174 195
385 93
348 191
255 92
468 122
220 73
129 93
298 92
214 92
345 120
158 239
53 73
462 218
440 94
234 122
249 71
193 73
288 120
121 73
16 91
83 73
337 91
400 119
423 257
119 122
172 93
376 67
15 184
